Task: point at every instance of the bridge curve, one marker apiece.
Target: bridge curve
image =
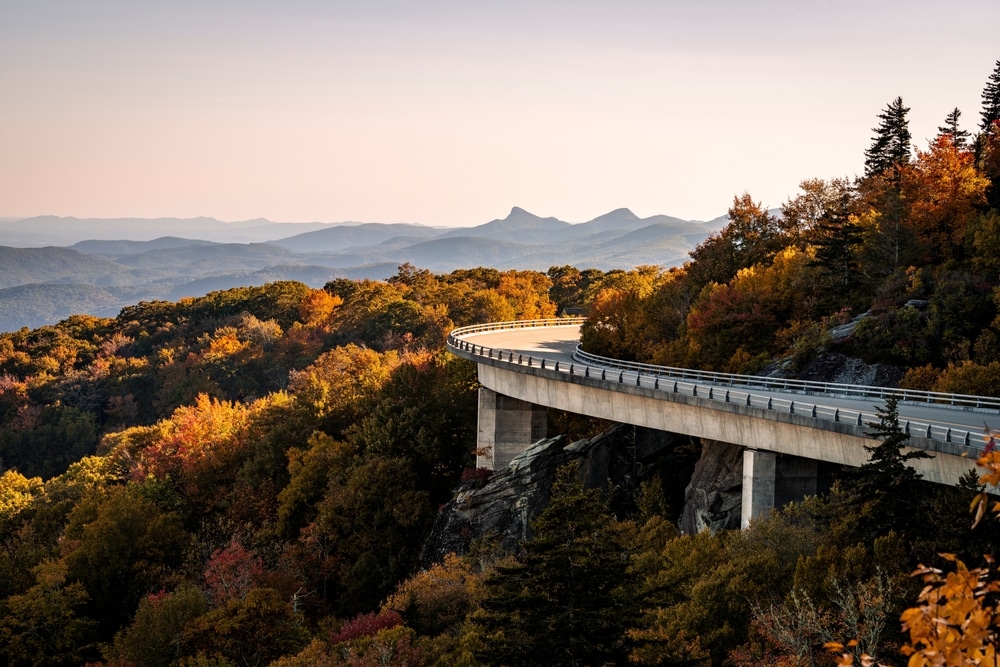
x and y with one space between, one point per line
539 363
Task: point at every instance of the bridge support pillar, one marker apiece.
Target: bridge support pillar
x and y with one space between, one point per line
758 484
506 427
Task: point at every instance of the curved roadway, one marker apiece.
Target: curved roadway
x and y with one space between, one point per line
559 343
944 429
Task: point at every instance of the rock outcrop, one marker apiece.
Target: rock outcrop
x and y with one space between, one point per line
500 510
713 499
836 367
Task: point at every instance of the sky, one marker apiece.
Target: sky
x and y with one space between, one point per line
451 112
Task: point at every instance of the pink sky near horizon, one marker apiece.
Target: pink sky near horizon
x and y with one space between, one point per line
450 113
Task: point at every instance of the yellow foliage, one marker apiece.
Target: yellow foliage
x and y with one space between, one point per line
318 306
16 493
225 344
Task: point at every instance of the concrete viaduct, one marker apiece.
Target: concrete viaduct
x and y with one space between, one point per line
785 426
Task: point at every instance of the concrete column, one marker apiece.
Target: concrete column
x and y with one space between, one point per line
506 427
758 484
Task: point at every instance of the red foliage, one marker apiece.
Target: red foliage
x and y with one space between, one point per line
158 596
231 572
365 625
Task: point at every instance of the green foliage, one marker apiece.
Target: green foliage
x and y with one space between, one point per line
958 137
247 631
991 101
424 413
565 601
44 626
44 442
891 144
155 636
124 546
883 495
377 540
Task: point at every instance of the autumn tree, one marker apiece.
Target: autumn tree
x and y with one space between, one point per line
819 200
618 325
890 146
745 314
944 191
752 236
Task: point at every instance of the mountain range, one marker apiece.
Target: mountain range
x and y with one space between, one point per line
52 267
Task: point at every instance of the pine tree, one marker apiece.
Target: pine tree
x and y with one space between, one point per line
885 495
959 138
891 143
564 601
837 240
991 101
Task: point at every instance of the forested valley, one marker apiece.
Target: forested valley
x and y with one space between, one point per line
247 478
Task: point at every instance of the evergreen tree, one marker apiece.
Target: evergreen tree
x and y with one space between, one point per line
885 494
891 143
564 601
991 101
837 240
959 138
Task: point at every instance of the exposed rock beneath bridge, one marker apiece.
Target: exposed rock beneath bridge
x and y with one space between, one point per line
501 510
713 498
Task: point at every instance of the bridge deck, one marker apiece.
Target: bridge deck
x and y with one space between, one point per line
559 343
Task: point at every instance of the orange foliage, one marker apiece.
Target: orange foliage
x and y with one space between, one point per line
195 440
224 345
318 306
945 191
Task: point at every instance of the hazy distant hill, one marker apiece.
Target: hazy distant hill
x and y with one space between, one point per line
122 261
22 266
120 247
341 237
36 305
52 230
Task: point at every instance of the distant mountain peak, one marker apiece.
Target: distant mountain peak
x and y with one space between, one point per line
518 213
625 213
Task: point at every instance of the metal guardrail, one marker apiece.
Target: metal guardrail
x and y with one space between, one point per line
730 387
795 386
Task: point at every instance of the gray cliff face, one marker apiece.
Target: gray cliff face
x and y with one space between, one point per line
836 367
501 510
713 499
